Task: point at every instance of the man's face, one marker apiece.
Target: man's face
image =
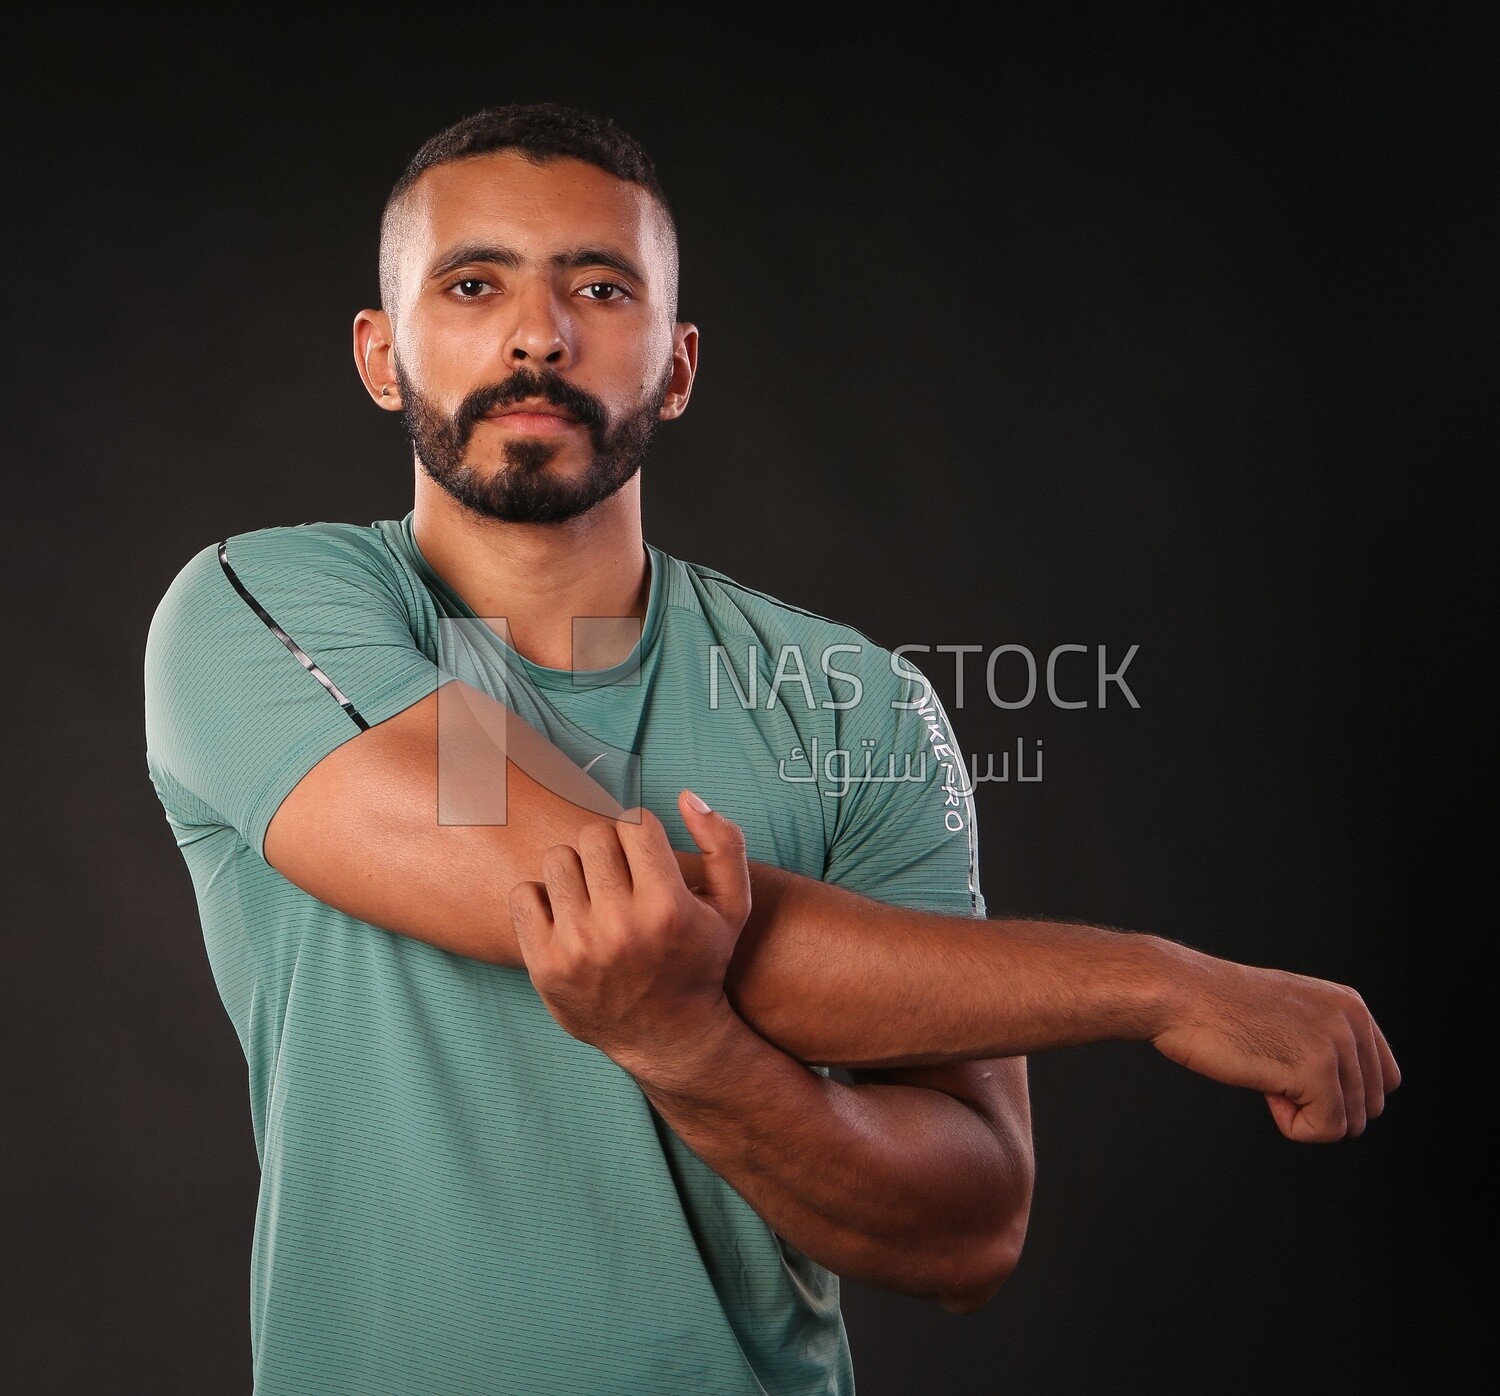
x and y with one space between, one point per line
534 348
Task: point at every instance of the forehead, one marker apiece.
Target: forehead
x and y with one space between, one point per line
506 200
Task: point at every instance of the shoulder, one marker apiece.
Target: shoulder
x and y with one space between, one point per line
285 557
724 596
314 581
324 548
782 638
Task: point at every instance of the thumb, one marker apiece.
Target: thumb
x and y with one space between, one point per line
726 874
1284 1111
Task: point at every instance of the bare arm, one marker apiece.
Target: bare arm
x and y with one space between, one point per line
919 1180
826 975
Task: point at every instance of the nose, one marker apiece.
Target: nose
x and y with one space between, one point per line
540 335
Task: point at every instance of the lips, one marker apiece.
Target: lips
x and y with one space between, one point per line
532 409
532 421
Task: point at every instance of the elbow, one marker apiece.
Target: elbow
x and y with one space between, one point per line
979 1283
973 1278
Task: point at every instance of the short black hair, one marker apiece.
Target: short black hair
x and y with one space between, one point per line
541 131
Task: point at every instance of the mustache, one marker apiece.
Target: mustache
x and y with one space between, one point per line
548 385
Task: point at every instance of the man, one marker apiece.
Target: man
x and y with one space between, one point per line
530 1075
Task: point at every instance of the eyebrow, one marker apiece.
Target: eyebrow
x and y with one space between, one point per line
567 259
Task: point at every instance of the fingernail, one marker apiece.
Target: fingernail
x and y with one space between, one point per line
697 803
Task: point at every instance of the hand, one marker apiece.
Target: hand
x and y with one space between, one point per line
1310 1046
624 954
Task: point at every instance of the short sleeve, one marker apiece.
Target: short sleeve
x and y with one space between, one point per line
905 830
266 653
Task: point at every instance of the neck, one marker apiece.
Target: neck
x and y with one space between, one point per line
538 577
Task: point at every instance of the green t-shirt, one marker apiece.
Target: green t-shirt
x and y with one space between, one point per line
456 1196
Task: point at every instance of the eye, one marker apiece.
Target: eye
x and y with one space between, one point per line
470 288
604 291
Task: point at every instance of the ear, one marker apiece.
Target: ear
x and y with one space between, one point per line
374 357
684 369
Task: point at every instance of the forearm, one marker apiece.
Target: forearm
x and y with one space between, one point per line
838 979
899 1185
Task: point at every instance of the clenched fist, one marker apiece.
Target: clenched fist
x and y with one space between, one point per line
624 954
1309 1045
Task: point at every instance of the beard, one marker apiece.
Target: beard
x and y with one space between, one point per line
523 490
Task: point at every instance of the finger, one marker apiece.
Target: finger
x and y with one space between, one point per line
1352 1083
1321 1115
1390 1073
726 874
566 887
532 917
605 868
653 868
1369 1068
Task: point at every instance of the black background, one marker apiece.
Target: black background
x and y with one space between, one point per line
1110 327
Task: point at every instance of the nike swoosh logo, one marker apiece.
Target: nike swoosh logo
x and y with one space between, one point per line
594 762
